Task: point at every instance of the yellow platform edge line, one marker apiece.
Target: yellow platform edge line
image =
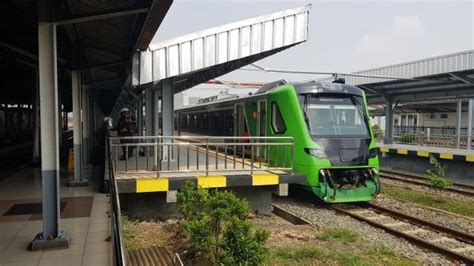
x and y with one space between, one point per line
265 179
211 181
423 154
469 158
402 151
383 149
448 156
152 184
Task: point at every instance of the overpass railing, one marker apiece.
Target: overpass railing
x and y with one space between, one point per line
203 154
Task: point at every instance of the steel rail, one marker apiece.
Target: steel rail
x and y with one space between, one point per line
414 239
419 181
421 177
288 216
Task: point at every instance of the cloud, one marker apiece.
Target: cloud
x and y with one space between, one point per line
376 48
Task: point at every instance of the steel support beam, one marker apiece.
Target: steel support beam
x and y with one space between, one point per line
50 237
77 130
102 15
85 125
389 110
149 112
156 125
458 124
470 123
36 113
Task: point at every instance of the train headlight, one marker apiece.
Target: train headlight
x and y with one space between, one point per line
316 153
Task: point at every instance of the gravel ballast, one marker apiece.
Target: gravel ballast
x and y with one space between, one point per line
456 222
324 218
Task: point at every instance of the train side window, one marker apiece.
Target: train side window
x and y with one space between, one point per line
278 125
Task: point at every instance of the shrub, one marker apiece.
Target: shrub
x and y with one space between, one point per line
218 227
377 131
437 177
410 138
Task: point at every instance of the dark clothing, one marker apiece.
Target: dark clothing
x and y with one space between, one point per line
127 123
130 125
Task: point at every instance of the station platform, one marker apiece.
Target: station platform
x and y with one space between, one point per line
425 151
135 175
457 163
83 215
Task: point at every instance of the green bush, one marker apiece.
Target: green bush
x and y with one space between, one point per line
377 131
218 227
437 177
410 138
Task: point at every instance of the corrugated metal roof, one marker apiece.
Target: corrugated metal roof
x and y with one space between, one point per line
424 67
242 42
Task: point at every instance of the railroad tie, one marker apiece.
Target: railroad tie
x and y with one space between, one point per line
415 231
372 218
395 224
361 212
443 239
463 249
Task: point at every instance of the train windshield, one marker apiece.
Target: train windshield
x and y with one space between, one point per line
335 115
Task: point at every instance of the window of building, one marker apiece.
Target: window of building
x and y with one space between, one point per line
444 116
278 125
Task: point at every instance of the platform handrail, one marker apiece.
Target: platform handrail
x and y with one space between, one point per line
116 215
254 151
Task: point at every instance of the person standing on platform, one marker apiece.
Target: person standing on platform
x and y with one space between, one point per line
126 127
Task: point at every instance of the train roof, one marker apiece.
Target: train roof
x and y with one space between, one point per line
311 86
300 87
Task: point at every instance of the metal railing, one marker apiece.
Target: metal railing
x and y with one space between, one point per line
116 215
430 139
206 154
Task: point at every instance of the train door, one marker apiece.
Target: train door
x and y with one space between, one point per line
262 126
239 126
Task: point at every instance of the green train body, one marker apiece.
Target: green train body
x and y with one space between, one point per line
333 141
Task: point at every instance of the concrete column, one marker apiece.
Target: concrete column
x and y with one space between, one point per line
140 115
388 122
470 123
36 115
77 129
156 125
458 124
149 96
50 237
167 109
85 125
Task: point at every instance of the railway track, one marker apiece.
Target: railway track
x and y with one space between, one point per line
464 189
451 243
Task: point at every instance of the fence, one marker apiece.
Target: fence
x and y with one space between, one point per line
439 137
205 154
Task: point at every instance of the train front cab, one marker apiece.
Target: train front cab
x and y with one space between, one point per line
330 176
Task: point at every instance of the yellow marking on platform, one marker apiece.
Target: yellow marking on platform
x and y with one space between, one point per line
423 153
264 179
212 181
152 184
383 149
402 151
448 156
469 158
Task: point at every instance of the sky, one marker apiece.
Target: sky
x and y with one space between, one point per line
344 36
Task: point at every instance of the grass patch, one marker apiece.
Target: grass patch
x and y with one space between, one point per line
430 200
306 255
310 255
341 234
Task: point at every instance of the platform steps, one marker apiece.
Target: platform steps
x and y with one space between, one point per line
154 256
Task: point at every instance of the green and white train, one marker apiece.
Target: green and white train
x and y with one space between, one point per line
334 145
